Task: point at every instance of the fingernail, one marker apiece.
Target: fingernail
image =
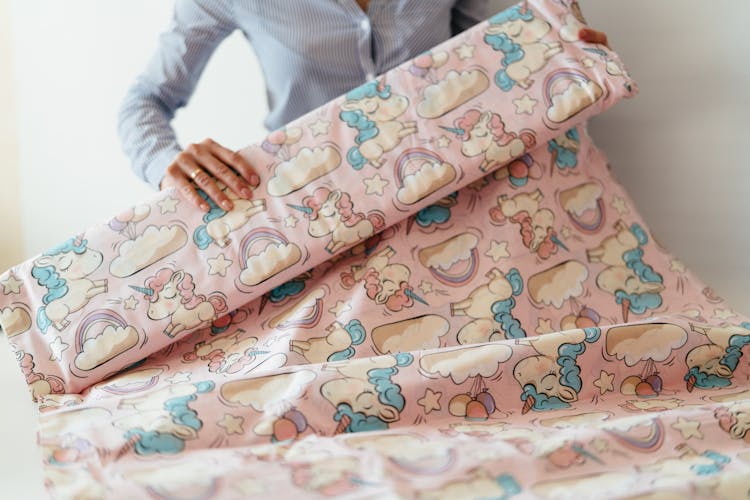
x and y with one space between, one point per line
204 207
246 192
254 180
226 204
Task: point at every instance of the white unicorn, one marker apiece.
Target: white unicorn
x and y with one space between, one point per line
219 222
372 109
63 270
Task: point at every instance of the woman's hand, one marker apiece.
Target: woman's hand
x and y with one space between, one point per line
593 36
201 165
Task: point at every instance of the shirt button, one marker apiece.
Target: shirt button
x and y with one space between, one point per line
364 24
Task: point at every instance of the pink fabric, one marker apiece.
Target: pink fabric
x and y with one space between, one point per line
463 304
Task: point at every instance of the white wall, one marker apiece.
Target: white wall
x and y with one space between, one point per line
677 147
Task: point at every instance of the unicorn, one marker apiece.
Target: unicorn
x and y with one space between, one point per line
335 346
518 36
551 380
63 270
372 110
332 212
171 294
635 285
385 283
163 420
483 132
536 223
490 307
228 354
712 365
365 397
218 223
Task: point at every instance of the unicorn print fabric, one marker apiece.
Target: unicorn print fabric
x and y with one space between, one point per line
438 291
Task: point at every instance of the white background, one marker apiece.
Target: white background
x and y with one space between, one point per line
679 147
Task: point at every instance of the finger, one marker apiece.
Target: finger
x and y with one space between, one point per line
593 36
225 174
235 160
175 177
202 179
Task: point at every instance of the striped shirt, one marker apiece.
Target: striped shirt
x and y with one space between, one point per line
310 51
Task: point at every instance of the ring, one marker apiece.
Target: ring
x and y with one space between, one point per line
195 172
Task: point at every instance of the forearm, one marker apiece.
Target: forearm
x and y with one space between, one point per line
146 134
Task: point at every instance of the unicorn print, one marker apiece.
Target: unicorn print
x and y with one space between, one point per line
63 271
518 34
171 294
365 396
712 365
335 346
332 212
551 380
483 132
372 110
218 223
385 282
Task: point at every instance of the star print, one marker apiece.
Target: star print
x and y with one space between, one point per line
677 266
497 250
290 221
130 302
219 265
465 51
339 308
443 141
430 401
544 326
723 313
604 382
179 377
565 232
688 428
619 205
587 62
375 185
57 346
319 127
425 286
525 104
232 424
12 285
168 205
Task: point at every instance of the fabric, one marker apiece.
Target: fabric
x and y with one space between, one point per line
310 53
471 309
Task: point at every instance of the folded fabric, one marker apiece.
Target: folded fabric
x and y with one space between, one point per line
439 291
329 180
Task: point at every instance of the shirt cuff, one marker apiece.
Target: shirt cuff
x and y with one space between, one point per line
154 171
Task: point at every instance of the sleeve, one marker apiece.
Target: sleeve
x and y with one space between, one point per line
467 13
144 119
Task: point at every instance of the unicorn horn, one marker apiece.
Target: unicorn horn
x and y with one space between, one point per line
410 293
625 309
455 130
559 243
307 210
144 291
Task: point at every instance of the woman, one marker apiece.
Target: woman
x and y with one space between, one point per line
310 52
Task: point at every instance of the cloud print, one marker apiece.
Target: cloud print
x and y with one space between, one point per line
575 98
263 393
460 364
309 164
445 254
577 200
413 334
557 284
429 178
153 244
451 92
14 320
272 260
105 346
636 343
